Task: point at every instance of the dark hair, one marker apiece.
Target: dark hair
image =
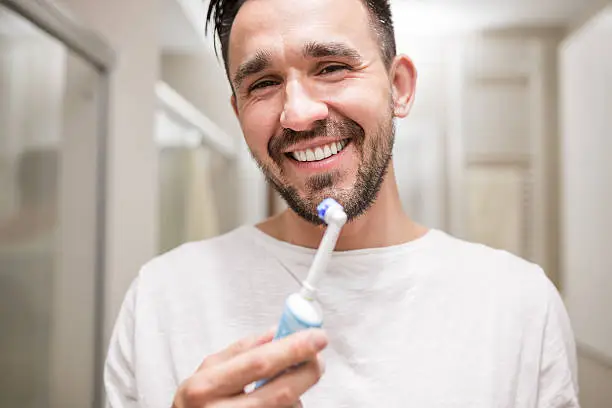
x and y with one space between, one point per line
223 12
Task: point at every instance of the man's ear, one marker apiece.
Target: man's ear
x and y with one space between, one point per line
403 84
234 105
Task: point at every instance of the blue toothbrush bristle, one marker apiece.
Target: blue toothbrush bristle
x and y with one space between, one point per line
324 206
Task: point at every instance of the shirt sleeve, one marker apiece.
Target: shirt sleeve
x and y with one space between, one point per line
558 380
119 378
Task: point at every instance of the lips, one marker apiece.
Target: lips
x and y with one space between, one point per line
319 153
316 145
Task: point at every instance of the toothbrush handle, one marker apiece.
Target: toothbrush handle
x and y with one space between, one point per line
289 323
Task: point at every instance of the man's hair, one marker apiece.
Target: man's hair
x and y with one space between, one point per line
221 13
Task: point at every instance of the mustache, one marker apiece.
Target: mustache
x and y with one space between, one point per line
338 129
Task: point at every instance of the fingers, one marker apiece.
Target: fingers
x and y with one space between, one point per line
198 389
285 391
222 378
237 348
230 377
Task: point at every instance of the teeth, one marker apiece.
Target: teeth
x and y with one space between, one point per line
319 153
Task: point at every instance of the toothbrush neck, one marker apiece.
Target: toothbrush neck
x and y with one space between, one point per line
307 291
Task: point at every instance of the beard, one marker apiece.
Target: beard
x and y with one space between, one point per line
375 154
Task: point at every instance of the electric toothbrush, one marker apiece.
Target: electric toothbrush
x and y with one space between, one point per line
301 311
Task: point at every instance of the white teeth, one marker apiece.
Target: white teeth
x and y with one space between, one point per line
319 153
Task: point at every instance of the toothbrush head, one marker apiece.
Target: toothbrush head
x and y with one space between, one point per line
331 212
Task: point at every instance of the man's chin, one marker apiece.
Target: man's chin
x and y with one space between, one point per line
314 196
305 204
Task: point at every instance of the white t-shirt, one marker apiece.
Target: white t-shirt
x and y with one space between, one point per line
436 322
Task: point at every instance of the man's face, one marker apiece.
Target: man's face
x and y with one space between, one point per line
313 98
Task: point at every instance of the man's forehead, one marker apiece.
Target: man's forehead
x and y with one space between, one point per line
273 24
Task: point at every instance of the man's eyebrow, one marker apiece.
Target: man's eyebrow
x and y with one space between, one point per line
316 49
262 60
252 66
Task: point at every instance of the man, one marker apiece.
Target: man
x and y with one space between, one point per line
413 317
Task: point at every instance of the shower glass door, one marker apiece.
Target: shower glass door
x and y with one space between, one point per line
50 215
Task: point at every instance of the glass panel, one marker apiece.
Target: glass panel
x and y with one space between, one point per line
189 191
48 143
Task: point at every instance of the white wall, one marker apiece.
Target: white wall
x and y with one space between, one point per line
201 79
420 147
130 27
586 123
586 113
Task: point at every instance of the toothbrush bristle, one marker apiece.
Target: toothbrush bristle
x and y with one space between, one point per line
326 205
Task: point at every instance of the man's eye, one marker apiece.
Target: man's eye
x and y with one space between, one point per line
261 85
330 69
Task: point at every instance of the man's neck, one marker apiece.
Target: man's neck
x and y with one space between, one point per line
383 224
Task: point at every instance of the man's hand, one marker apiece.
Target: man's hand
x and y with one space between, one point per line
220 380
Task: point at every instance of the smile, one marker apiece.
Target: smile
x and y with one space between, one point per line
319 153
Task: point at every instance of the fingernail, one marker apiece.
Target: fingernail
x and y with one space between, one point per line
319 339
321 364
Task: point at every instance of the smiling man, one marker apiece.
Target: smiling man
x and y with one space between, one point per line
413 316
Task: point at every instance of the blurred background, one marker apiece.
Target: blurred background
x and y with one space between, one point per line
117 143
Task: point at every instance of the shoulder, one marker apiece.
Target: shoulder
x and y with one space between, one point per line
482 259
490 269
196 260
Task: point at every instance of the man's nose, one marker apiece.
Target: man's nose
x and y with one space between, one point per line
301 110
